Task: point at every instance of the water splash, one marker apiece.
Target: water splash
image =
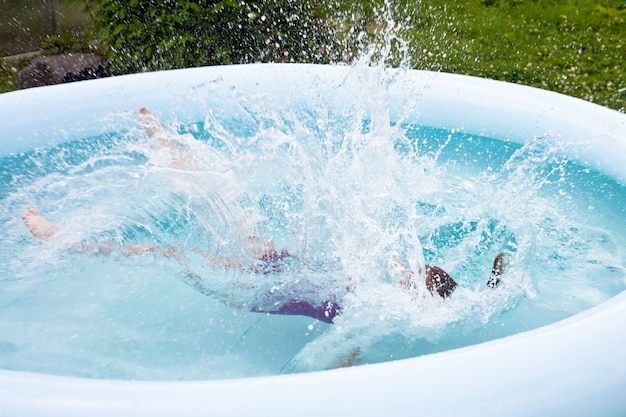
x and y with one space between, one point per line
346 189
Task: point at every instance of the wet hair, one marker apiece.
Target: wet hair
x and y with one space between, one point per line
438 280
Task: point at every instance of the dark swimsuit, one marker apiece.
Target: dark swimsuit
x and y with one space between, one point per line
325 312
274 264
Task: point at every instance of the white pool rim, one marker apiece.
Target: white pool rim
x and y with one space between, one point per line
575 367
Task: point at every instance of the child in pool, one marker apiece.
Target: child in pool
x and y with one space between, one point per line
270 261
438 281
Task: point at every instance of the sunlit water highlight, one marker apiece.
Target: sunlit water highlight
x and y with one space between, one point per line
341 186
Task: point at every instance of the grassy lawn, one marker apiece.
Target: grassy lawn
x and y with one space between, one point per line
575 47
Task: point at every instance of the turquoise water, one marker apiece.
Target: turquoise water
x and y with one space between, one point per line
348 194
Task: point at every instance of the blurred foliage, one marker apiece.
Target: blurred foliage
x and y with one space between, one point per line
54 45
164 34
25 24
9 68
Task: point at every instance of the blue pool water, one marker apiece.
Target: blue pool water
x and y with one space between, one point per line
345 193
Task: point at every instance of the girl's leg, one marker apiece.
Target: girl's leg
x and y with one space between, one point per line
150 123
179 158
42 229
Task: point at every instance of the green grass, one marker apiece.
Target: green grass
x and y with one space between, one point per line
575 47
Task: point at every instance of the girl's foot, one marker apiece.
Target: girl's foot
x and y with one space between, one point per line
149 122
179 158
39 226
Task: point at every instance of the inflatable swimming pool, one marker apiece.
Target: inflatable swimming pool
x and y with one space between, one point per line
574 367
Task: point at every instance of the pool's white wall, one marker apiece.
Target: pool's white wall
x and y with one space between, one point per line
576 367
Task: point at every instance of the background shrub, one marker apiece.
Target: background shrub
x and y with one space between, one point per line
576 47
139 35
